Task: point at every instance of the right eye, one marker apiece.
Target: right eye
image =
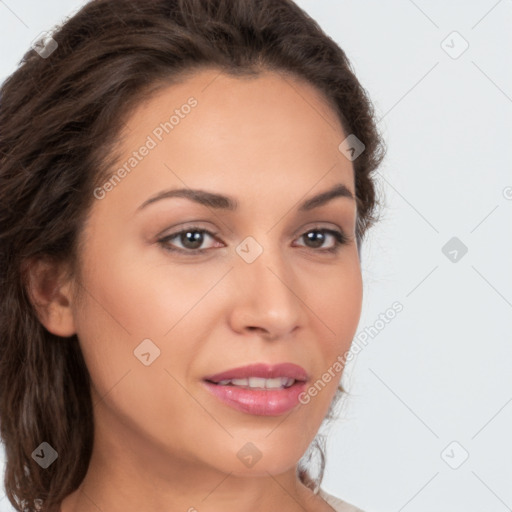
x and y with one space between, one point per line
191 239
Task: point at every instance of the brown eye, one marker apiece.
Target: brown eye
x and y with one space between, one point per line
317 237
191 239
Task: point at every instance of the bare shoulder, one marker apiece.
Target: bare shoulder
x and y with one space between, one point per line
337 504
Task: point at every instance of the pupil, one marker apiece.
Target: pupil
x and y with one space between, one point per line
316 237
193 237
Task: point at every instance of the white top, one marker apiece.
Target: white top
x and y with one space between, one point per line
337 504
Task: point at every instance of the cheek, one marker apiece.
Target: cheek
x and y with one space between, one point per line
338 304
124 305
347 308
129 298
137 291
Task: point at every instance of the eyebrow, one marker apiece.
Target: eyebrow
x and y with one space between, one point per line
222 202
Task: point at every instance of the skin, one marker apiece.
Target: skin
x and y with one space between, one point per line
163 442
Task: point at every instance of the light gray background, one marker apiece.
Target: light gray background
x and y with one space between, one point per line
438 372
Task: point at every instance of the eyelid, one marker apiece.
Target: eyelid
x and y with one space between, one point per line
317 225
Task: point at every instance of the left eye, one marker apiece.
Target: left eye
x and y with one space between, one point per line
193 238
312 236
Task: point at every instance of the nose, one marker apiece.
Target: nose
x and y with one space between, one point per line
268 299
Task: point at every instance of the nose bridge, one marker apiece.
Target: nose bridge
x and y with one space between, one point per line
268 299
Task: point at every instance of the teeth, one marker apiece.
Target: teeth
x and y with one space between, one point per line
240 382
267 383
259 382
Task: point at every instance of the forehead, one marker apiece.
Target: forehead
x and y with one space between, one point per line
253 133
218 92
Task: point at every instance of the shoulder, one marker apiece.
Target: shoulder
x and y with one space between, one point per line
337 504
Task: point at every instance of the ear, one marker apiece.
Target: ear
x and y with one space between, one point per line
51 296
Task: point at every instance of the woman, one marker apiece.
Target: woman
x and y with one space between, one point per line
185 186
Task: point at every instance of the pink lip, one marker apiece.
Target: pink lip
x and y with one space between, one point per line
258 401
265 371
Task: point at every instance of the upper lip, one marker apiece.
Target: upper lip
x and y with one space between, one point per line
262 370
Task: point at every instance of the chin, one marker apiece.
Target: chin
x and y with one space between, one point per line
259 458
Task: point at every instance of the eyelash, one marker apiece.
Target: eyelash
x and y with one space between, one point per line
339 236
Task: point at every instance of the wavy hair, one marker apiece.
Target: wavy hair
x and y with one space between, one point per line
60 117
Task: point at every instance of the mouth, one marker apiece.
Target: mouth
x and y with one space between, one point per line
259 389
255 374
257 382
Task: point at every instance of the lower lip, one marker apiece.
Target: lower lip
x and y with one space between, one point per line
261 402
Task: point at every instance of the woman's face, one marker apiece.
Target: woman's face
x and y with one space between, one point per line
156 317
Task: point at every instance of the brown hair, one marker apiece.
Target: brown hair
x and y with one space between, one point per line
60 115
